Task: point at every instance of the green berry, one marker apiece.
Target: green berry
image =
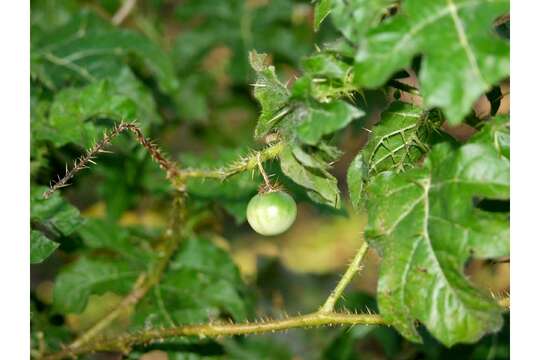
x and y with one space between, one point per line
271 213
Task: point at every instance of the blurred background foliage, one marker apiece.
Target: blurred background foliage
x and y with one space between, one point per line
180 68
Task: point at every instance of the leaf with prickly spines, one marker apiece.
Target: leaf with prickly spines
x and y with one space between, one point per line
394 144
425 225
462 56
270 92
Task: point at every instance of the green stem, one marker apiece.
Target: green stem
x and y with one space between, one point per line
354 266
125 342
248 163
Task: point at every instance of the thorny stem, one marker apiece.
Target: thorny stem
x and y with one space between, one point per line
249 162
353 267
173 173
90 342
82 163
124 343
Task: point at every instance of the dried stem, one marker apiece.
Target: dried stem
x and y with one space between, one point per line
81 163
173 173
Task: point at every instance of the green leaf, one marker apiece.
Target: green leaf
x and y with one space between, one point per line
201 284
426 227
87 276
396 143
54 213
322 10
326 78
105 234
496 132
318 120
88 49
270 92
72 108
356 176
322 187
355 17
239 27
40 247
462 57
325 64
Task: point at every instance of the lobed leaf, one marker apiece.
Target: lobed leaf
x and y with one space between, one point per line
462 57
396 143
424 223
87 276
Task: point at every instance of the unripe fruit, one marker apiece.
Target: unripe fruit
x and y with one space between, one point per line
271 213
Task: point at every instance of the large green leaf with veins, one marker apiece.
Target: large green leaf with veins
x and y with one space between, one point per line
397 143
87 276
88 48
426 226
462 57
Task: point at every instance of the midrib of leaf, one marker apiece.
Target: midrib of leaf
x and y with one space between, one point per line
69 65
424 199
430 20
103 279
425 234
463 40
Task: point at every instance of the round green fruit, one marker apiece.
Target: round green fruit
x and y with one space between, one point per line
271 213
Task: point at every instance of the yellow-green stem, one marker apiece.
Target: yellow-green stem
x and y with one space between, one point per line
354 266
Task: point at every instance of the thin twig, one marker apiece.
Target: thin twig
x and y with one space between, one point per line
81 163
124 11
249 162
354 267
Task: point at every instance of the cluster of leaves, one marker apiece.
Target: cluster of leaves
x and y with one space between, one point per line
427 195
422 189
